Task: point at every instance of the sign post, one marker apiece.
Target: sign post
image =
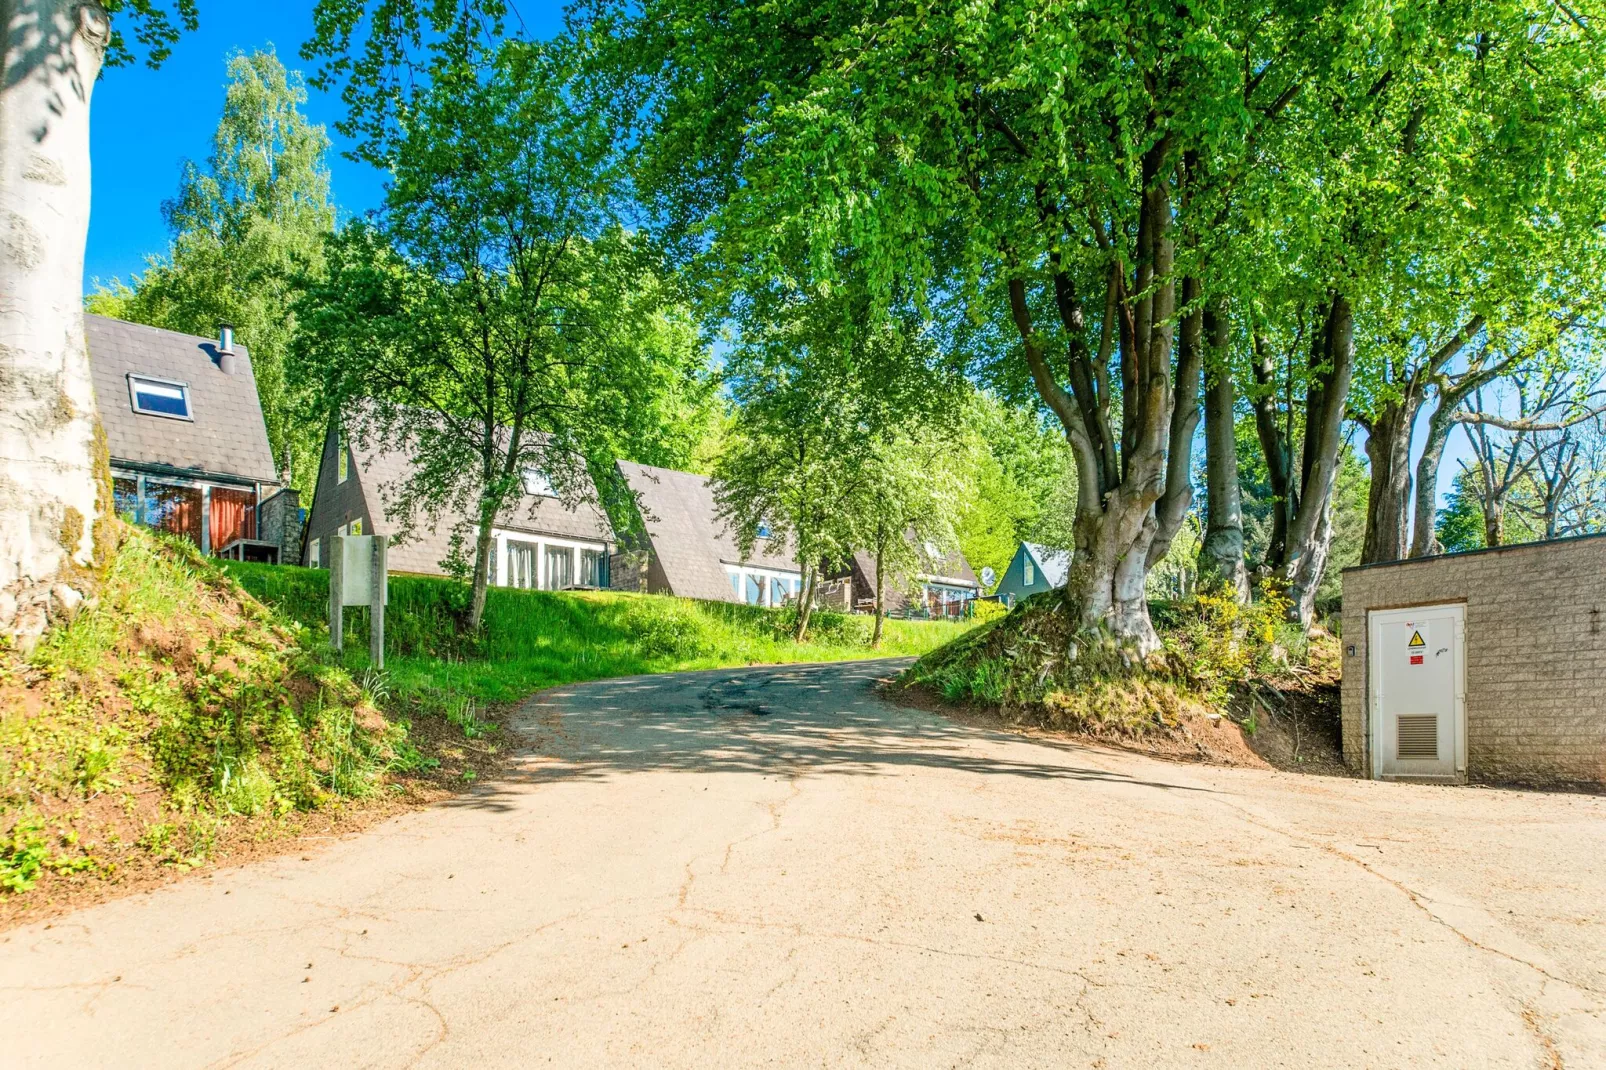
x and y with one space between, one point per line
358 577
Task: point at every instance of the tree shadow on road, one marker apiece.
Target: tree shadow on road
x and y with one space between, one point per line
793 721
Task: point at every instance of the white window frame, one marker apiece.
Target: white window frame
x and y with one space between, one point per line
500 537
1031 573
543 483
740 574
182 387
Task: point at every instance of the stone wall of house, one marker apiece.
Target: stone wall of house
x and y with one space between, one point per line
627 571
279 521
1535 655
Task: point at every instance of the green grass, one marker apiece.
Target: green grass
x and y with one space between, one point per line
167 708
537 639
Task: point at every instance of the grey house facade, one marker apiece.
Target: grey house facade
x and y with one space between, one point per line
539 543
684 549
189 447
1484 666
945 588
1033 570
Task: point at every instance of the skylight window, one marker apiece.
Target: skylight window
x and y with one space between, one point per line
536 483
160 397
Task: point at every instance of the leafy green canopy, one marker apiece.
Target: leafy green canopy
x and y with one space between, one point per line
248 231
156 25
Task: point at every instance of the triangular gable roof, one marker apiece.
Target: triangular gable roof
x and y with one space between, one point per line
952 569
691 543
1055 565
383 466
226 436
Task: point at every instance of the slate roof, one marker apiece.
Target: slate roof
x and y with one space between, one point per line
381 468
690 541
951 569
227 436
1055 565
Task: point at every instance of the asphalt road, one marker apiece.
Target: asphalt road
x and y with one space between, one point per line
775 867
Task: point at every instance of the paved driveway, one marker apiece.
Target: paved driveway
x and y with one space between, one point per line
773 867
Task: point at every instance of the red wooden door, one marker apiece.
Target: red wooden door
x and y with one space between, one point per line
234 516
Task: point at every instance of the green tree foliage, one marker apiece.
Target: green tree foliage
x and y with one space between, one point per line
492 319
1460 521
1020 482
819 397
156 26
1054 181
911 492
248 230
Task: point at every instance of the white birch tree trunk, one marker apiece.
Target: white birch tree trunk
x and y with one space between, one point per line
51 492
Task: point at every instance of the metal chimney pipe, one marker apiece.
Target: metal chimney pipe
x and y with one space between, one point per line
225 348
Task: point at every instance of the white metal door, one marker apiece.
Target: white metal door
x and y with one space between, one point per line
1418 719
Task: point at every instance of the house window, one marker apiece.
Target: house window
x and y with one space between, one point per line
1031 573
343 462
777 592
125 499
314 557
592 568
160 397
356 527
537 484
559 568
755 590
764 529
521 564
173 509
736 584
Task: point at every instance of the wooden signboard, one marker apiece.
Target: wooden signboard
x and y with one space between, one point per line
357 577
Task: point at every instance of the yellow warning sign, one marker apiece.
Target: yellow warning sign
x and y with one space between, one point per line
1416 641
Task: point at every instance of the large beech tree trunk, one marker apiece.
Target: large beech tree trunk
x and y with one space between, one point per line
1172 509
1390 510
53 486
1222 554
1118 527
1424 528
1388 497
1300 558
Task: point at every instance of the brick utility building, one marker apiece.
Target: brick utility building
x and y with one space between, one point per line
1485 666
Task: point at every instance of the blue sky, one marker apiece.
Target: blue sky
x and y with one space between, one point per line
145 123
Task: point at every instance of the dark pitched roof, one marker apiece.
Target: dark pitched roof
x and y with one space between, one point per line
384 468
951 569
690 541
227 436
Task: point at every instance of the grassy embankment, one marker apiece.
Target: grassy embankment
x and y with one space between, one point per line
182 720
1221 665
537 639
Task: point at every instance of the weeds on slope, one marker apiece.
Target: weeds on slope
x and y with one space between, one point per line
1036 667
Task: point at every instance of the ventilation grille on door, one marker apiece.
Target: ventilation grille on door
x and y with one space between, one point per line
1418 736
